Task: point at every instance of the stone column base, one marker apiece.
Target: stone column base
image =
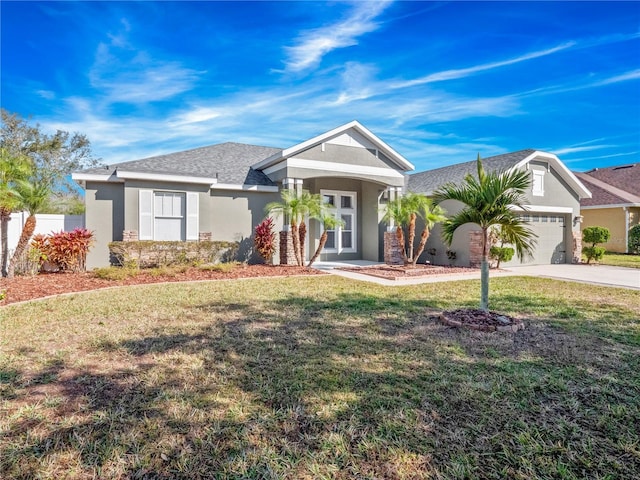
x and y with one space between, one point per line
392 254
287 253
475 248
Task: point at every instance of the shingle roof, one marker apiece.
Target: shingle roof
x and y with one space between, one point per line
228 162
612 185
624 177
430 180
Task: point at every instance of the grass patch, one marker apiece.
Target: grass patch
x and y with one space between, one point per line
620 260
320 377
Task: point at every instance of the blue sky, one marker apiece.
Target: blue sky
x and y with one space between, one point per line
438 81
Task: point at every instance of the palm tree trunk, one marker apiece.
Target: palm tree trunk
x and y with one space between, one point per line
5 216
296 241
484 272
423 242
323 241
25 236
412 237
400 237
302 233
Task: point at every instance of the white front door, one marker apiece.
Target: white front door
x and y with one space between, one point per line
342 239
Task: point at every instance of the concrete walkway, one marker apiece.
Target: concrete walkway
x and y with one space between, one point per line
592 274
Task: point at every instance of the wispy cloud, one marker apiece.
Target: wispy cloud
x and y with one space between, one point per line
124 73
466 72
314 44
589 148
576 86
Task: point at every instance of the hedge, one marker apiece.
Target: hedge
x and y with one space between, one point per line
149 253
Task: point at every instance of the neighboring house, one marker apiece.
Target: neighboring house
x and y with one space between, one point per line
553 211
615 203
220 193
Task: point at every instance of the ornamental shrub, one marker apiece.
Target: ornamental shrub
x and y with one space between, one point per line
634 239
66 251
501 254
264 239
594 235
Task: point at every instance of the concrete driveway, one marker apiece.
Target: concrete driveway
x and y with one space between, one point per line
592 274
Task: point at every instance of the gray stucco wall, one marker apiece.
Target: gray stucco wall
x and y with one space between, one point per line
345 154
105 218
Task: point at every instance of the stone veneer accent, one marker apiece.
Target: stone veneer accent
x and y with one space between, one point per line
475 248
204 236
577 247
129 235
392 254
287 253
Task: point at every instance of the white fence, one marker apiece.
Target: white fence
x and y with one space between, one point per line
44 224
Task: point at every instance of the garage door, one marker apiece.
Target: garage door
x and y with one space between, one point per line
550 246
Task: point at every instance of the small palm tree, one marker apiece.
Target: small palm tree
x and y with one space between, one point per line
33 196
12 169
489 200
295 207
395 211
430 214
330 222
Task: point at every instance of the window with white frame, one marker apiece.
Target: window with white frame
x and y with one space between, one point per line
537 185
168 216
343 238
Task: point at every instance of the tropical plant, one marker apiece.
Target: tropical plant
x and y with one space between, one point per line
294 207
430 215
32 196
404 212
595 235
12 169
330 222
490 200
264 239
634 239
395 212
66 251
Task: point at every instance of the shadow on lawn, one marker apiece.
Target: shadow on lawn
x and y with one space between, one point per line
365 385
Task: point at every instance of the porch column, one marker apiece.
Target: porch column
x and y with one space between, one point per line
393 193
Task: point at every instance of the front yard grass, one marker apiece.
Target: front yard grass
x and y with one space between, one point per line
318 378
620 260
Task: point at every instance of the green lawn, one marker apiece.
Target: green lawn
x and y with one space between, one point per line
320 378
620 260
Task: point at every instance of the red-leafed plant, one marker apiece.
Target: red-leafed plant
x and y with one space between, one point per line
264 239
66 251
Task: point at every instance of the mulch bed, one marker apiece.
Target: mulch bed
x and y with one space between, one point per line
475 319
398 272
23 288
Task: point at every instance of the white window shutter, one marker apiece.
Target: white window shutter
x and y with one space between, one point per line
192 215
145 215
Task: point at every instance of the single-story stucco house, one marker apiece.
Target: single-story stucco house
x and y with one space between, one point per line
220 193
615 203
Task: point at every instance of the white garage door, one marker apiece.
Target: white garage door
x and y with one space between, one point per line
550 246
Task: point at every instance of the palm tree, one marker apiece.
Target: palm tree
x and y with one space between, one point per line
330 222
295 207
430 214
33 196
395 211
311 205
489 200
12 170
